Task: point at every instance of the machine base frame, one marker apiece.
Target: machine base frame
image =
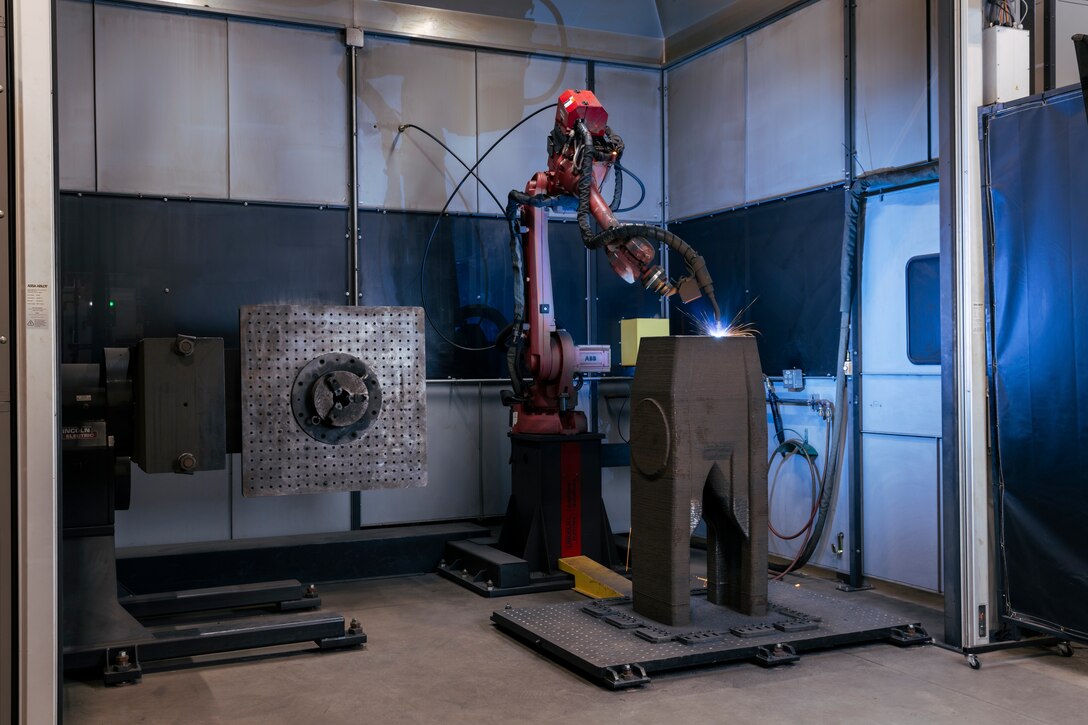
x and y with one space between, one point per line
607 642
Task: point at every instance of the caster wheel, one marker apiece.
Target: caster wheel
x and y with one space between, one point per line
973 662
1065 649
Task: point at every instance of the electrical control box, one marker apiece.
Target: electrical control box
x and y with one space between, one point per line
593 358
794 380
1006 59
633 330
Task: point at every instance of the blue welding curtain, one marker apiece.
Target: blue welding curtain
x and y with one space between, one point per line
1037 158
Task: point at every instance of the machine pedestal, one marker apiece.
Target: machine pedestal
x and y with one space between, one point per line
555 511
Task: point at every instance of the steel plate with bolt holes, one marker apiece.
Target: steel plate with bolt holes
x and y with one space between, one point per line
606 640
279 342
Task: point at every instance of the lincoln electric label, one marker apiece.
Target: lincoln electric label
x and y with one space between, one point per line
78 433
37 306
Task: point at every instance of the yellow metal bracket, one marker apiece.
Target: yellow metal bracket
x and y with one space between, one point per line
595 580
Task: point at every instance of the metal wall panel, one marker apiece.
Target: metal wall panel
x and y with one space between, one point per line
791 497
796 104
75 95
690 25
1070 16
172 508
898 227
892 104
706 130
907 404
902 539
495 458
462 475
433 87
632 98
453 461
252 517
510 87
288 114
161 109
187 266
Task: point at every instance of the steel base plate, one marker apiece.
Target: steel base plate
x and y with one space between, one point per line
606 641
279 341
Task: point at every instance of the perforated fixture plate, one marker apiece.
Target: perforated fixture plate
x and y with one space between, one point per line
282 346
606 638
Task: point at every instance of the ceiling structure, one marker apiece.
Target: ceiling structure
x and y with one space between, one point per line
643 32
681 26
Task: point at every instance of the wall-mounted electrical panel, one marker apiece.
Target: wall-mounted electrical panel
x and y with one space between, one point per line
1006 64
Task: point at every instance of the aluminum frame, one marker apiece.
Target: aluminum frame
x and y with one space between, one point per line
37 409
966 495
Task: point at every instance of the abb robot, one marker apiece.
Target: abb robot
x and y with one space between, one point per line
555 510
544 362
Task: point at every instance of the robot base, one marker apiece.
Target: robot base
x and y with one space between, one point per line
555 511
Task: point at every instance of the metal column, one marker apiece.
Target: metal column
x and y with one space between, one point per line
966 500
355 498
8 548
35 396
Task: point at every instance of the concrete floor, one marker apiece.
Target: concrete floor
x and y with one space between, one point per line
434 657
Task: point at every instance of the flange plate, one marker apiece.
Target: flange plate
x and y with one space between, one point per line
278 456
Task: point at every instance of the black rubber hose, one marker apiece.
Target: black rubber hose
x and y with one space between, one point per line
434 230
833 468
641 190
585 183
776 416
514 199
471 169
513 346
617 148
617 189
692 259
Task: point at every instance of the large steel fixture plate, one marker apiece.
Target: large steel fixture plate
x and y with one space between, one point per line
333 399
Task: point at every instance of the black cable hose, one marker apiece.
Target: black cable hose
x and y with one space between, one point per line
617 189
693 260
641 188
483 255
585 182
617 150
833 467
471 169
430 240
512 341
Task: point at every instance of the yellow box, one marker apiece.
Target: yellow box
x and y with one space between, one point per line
632 331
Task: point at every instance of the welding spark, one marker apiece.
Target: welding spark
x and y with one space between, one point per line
735 328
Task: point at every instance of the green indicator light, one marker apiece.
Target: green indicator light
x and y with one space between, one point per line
112 303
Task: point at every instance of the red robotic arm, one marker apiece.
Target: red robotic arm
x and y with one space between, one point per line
581 151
